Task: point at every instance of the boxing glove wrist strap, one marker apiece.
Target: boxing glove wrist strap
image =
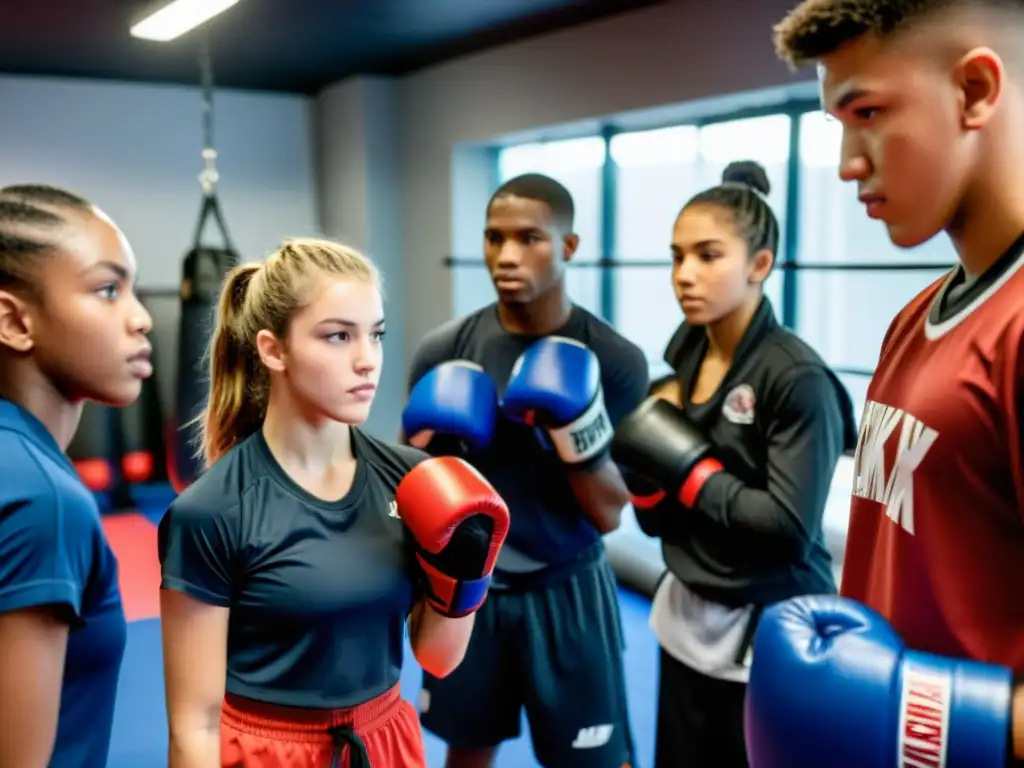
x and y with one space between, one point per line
452 597
952 712
688 493
586 437
646 500
691 488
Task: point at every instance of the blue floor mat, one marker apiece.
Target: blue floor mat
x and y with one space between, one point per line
140 725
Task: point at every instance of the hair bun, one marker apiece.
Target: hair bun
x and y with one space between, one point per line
748 173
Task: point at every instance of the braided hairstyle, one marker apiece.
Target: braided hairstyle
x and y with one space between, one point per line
743 195
32 217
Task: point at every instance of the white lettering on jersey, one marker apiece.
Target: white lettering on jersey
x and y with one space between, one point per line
924 718
890 485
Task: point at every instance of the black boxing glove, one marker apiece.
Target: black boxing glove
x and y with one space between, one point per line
645 496
660 446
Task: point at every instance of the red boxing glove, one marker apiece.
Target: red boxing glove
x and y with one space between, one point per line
459 523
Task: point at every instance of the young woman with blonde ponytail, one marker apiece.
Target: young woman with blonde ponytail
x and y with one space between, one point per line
294 564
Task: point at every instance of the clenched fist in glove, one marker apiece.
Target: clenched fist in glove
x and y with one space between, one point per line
832 684
459 523
664 452
556 385
456 400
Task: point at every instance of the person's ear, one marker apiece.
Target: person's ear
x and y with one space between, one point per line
16 323
980 76
761 266
271 351
569 245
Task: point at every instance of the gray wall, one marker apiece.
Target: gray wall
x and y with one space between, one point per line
135 150
360 204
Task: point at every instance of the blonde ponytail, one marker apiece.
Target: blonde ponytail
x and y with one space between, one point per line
256 298
238 385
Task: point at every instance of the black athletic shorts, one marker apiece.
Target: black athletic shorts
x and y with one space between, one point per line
700 719
555 650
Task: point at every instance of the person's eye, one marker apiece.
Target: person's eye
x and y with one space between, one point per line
108 291
866 113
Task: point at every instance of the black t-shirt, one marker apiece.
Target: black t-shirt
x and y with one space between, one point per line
548 526
779 422
319 591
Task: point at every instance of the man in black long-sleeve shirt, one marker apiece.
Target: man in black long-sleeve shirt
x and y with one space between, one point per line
732 472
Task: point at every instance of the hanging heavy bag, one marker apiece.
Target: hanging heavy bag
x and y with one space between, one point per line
93 450
203 273
141 437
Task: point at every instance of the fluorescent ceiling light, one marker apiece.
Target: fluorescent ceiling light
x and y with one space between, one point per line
179 17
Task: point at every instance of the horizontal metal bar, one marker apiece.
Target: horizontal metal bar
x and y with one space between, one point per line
854 266
820 266
158 293
839 266
792 108
841 371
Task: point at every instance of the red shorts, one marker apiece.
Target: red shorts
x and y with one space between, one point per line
382 733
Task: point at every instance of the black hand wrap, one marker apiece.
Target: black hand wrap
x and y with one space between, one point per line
465 555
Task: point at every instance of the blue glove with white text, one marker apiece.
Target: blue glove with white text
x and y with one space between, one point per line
831 683
556 385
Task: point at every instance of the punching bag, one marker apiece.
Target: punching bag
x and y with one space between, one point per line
141 438
203 273
93 450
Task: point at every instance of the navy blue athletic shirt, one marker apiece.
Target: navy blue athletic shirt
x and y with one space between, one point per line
548 526
319 591
53 552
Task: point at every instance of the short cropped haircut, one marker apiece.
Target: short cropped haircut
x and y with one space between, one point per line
816 28
543 189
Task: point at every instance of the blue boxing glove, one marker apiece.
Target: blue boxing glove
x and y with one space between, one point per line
455 400
833 684
556 385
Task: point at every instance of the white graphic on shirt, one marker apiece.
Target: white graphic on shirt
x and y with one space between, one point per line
593 736
393 508
739 405
890 483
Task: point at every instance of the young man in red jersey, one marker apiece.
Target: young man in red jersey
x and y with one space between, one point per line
915 664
